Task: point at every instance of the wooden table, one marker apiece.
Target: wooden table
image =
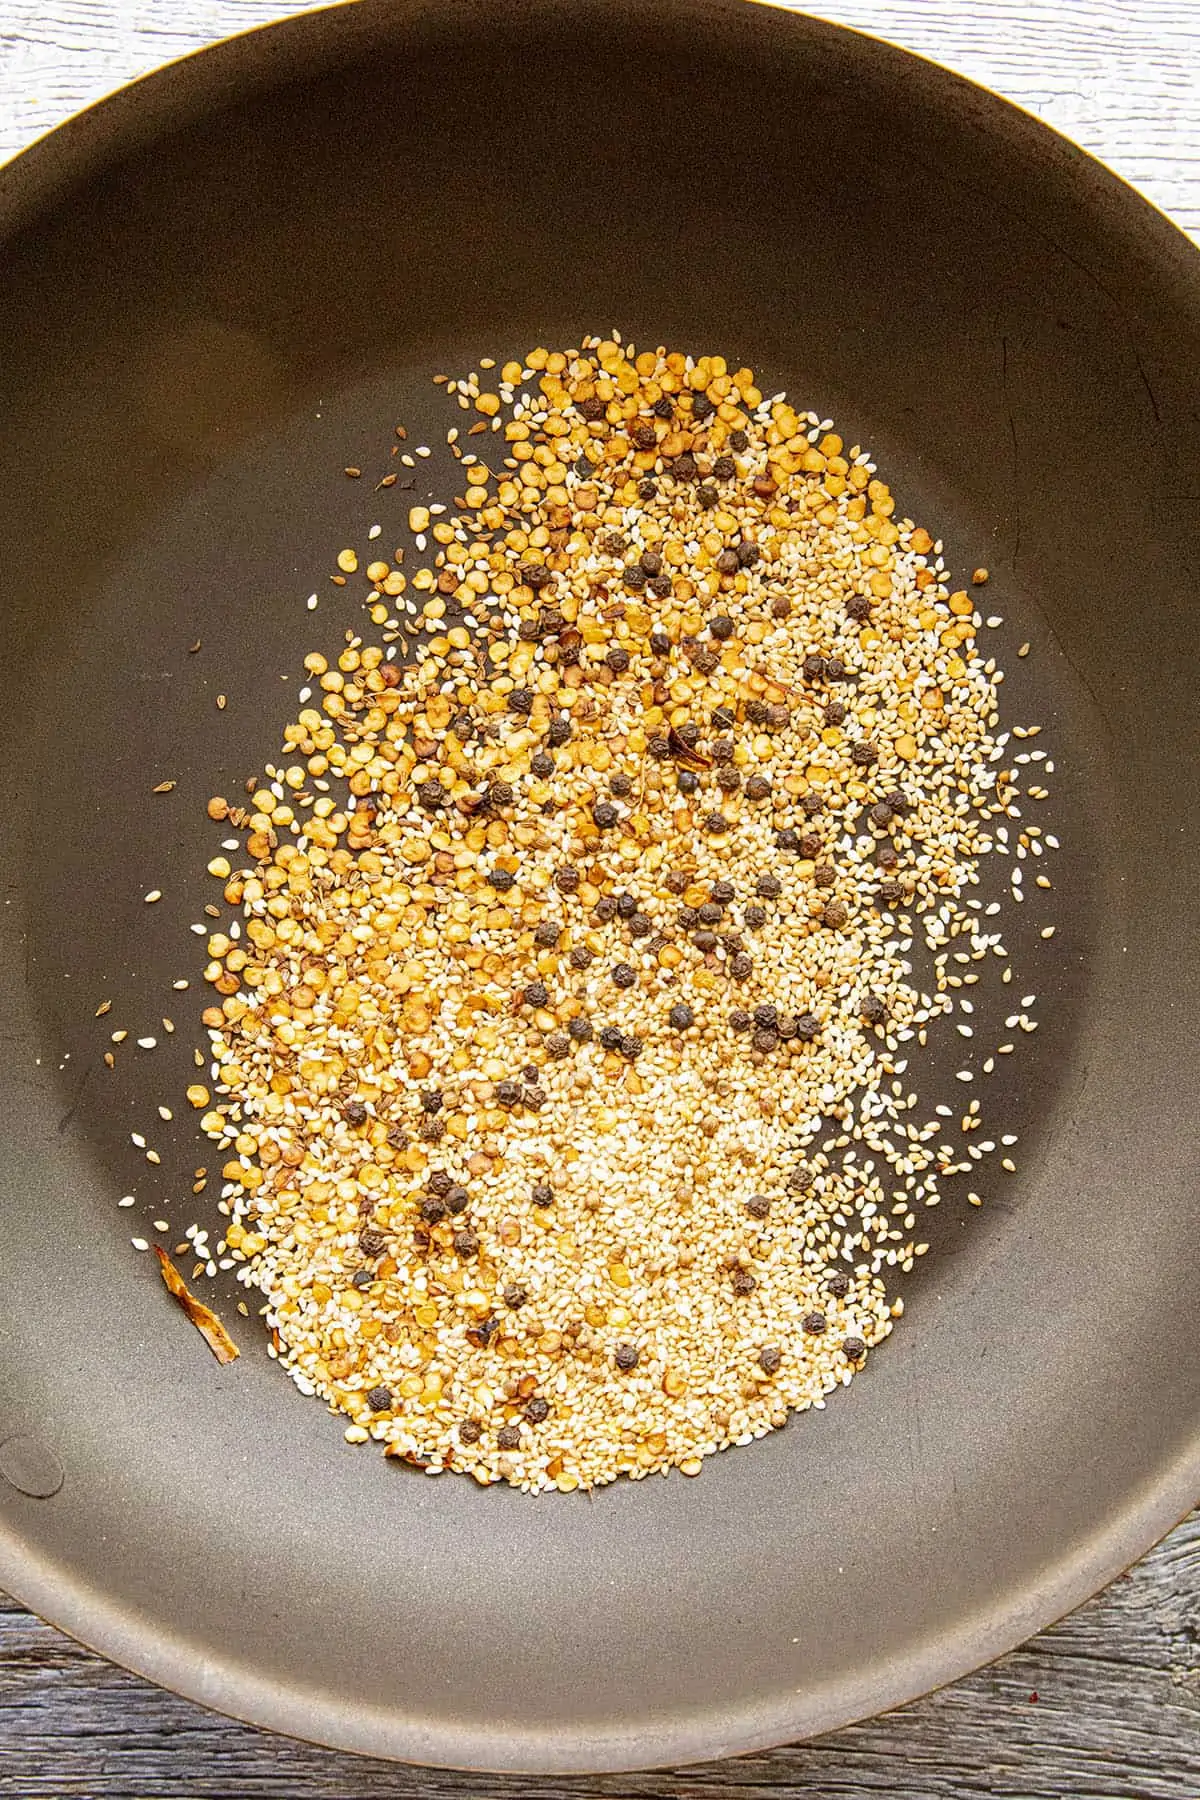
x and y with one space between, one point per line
1106 1705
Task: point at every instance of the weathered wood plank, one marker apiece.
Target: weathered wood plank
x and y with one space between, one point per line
1122 79
1117 1714
1117 1717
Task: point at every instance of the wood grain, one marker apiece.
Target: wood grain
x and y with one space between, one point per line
1106 1705
1122 77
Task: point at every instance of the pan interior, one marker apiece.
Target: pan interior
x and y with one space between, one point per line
210 311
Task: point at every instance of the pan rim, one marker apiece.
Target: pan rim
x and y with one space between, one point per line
156 1653
239 1694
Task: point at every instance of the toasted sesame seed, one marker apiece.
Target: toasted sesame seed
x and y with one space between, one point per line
814 666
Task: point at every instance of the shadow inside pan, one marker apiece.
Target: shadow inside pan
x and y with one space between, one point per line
202 329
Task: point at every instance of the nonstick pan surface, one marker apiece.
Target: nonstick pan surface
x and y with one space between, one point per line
216 291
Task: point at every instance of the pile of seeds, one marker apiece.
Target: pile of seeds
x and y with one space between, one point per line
557 1051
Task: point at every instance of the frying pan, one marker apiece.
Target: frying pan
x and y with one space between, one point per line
217 290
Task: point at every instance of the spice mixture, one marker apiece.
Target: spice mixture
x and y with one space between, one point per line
557 1049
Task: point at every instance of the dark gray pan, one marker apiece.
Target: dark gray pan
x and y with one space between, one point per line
216 290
